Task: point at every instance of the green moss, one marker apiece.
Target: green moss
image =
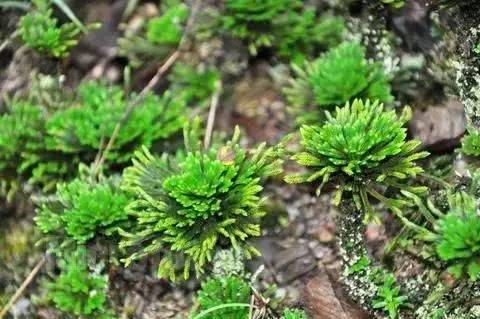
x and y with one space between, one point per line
82 210
190 206
294 314
361 147
224 291
337 77
41 31
78 291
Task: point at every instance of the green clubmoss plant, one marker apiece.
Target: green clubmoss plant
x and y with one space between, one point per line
77 291
44 145
335 78
286 26
389 298
82 210
224 297
363 149
190 206
293 313
471 142
41 31
22 127
84 128
193 85
156 37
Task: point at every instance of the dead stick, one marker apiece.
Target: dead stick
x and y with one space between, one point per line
23 286
211 114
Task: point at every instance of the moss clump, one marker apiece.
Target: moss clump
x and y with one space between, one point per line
335 78
190 206
362 148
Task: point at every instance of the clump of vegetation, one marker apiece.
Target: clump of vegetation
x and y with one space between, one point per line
335 78
83 209
189 206
156 37
471 142
167 29
19 136
41 31
229 296
44 146
389 298
363 148
294 314
192 85
78 291
287 26
457 236
86 127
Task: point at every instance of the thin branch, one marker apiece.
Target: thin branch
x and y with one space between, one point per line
8 40
23 286
211 114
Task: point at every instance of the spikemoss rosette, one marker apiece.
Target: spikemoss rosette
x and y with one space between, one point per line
190 206
253 20
20 133
41 31
471 142
82 210
457 236
362 147
294 314
77 291
84 128
290 28
335 78
224 291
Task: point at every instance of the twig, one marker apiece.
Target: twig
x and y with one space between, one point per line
211 114
151 84
8 40
23 286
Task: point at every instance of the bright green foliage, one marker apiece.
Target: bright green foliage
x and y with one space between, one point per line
192 85
19 134
294 314
83 210
458 240
168 28
40 31
284 25
190 206
362 147
337 77
394 3
389 298
77 291
253 20
224 291
44 147
471 142
156 38
84 128
304 33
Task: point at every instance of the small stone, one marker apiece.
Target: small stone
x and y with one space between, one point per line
439 128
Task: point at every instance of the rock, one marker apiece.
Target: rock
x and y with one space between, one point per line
439 127
324 299
413 24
